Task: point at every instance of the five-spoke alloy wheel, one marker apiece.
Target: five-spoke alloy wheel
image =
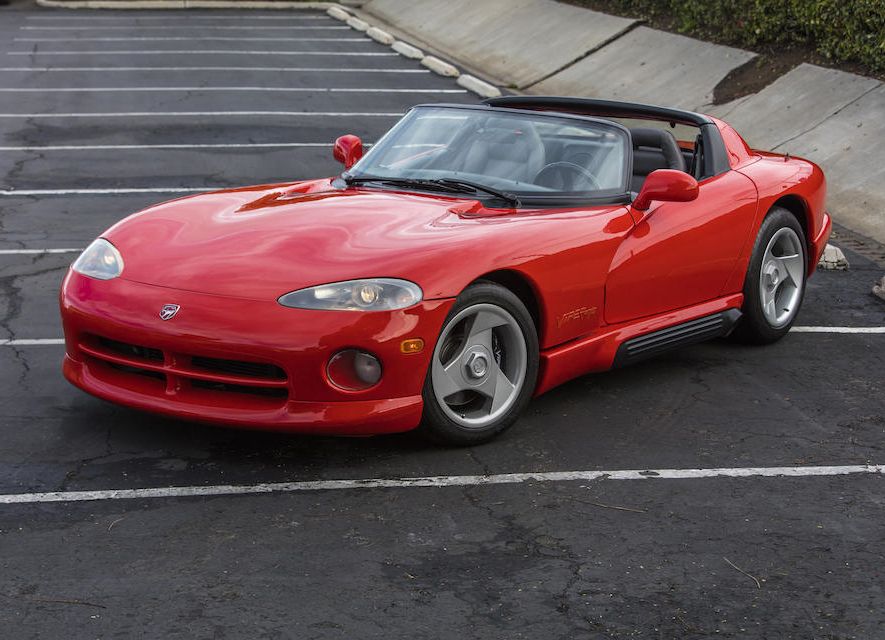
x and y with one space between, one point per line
775 282
483 369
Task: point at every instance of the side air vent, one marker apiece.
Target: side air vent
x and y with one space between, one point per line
680 335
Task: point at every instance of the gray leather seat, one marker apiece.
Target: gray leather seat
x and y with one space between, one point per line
505 148
653 149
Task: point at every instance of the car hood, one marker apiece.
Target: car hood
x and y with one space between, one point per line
262 242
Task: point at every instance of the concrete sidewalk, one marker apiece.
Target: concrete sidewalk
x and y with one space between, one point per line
509 39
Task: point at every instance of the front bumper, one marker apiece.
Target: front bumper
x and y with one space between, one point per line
242 362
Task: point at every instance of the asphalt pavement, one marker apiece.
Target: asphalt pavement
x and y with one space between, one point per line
733 557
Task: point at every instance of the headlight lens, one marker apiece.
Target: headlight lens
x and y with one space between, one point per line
376 294
100 260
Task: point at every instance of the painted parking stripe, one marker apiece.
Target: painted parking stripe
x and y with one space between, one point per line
198 39
139 18
837 330
250 69
28 342
214 52
104 192
15 252
128 147
249 89
438 482
203 27
205 114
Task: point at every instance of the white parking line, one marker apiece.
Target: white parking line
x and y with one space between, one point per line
203 114
250 69
167 18
194 38
199 89
437 482
214 52
103 192
28 342
189 25
13 252
128 147
838 330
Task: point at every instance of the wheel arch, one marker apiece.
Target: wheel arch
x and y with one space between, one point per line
800 209
523 288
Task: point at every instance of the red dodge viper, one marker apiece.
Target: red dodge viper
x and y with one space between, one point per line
474 257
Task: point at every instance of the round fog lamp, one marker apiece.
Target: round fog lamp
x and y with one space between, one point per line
353 370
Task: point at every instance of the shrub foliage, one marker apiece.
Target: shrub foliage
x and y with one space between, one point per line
850 31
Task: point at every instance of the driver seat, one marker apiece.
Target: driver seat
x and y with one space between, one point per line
653 149
504 148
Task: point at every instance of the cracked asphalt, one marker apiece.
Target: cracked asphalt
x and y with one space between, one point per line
601 559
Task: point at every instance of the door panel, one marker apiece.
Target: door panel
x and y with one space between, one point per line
682 253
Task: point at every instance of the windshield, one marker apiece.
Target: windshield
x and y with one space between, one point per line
533 155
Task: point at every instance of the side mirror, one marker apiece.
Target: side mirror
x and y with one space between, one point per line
348 150
666 185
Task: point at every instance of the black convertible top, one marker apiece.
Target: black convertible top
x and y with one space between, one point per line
594 107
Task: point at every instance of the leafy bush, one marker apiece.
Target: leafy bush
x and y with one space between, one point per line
850 31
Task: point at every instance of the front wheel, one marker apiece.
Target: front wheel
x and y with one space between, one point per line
484 367
775 282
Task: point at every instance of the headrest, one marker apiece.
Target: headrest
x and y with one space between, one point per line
647 137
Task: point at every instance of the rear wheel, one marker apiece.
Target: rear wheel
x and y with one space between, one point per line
484 367
775 282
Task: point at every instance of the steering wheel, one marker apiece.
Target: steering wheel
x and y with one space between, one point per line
564 173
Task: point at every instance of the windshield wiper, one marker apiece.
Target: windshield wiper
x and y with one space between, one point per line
466 184
441 184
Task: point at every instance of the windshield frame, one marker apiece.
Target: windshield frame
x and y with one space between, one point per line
527 199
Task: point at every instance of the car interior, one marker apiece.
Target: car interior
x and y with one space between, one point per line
550 155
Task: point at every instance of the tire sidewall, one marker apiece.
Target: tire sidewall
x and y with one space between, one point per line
439 426
754 325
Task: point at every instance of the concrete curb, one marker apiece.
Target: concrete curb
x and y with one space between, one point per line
441 67
434 63
355 23
477 86
379 35
338 13
407 51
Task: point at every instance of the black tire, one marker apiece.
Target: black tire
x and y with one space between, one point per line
437 424
755 327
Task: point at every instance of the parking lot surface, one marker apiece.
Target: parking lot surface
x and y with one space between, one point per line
104 113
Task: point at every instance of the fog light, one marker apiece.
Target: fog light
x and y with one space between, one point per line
353 370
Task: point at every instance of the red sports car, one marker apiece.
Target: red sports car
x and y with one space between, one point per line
474 257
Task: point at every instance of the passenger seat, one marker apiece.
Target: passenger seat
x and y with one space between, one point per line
653 149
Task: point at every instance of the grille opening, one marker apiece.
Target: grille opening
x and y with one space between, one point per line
240 368
137 371
238 388
126 349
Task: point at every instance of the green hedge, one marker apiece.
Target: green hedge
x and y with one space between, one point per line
851 31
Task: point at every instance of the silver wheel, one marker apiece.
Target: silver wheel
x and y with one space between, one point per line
782 277
479 365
